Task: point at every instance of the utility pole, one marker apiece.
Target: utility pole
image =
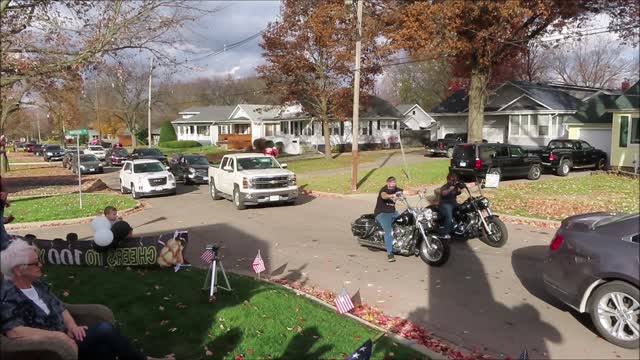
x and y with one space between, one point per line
356 102
95 85
149 105
39 137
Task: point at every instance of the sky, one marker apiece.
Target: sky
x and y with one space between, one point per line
238 20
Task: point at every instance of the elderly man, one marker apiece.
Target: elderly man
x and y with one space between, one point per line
30 309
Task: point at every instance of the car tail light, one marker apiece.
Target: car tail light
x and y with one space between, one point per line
477 164
552 157
556 242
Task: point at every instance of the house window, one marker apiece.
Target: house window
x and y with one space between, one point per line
624 131
308 128
192 129
269 130
543 125
414 112
386 124
514 125
284 127
533 126
364 128
334 129
529 125
203 130
635 131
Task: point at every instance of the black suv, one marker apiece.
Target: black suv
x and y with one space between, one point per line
471 161
149 153
190 168
52 152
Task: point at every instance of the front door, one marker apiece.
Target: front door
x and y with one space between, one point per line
578 154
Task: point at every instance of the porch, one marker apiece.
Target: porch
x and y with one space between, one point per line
234 136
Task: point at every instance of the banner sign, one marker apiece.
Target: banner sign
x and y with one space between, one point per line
166 250
492 181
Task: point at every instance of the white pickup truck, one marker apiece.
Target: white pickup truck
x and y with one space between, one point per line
251 179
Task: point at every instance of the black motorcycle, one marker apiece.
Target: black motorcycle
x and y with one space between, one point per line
412 234
473 218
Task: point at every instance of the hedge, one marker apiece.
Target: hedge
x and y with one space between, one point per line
167 132
179 144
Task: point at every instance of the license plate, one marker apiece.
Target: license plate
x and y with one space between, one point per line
92 169
463 163
274 197
158 188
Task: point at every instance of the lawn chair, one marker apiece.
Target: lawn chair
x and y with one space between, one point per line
52 348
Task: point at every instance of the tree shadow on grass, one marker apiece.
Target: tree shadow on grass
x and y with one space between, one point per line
225 344
300 346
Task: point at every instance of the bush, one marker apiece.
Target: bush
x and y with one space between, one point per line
167 132
269 144
259 144
180 144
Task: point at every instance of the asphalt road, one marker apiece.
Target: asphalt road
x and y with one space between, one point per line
484 298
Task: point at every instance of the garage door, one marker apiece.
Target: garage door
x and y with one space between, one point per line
493 134
598 138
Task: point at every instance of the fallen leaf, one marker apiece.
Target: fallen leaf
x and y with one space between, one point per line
161 308
299 329
164 322
290 328
65 293
221 326
173 329
208 353
250 351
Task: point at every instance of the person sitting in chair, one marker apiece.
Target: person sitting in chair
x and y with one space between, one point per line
30 309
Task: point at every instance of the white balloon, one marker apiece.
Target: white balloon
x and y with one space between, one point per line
103 237
100 223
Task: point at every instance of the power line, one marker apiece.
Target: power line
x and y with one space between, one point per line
229 47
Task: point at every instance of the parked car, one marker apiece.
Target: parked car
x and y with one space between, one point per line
116 156
446 145
564 155
149 153
73 149
472 161
592 266
96 150
190 168
36 149
68 158
145 177
251 179
28 147
89 164
52 152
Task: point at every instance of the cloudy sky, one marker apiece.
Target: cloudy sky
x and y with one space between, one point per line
237 21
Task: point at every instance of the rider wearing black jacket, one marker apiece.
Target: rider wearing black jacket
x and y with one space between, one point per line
448 194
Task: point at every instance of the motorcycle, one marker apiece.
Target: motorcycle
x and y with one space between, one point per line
411 233
473 218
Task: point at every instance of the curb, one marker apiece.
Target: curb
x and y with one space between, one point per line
140 206
321 194
397 338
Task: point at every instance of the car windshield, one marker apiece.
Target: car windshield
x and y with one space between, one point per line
450 136
119 151
149 152
96 148
53 147
148 167
88 158
464 152
196 160
257 163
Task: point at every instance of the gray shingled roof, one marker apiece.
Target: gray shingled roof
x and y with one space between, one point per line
630 99
403 108
208 113
594 110
378 108
456 103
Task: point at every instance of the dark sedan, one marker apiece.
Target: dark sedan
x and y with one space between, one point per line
89 164
190 168
593 265
149 153
52 152
116 156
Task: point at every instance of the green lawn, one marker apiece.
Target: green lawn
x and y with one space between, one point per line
342 160
209 149
65 206
166 312
559 198
371 180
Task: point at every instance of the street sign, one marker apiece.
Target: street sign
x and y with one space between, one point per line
77 132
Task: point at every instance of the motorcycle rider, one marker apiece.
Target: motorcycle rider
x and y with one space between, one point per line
385 212
448 194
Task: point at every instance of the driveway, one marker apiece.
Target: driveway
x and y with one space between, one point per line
484 298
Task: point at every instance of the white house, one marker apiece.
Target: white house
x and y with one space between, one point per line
415 118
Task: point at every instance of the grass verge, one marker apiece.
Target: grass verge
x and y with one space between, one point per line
165 312
62 207
342 160
559 198
371 180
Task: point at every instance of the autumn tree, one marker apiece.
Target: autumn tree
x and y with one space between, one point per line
310 56
594 63
61 100
425 83
482 34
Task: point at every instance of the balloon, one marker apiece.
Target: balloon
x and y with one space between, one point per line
103 237
100 223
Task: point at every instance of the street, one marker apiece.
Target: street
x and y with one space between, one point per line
483 298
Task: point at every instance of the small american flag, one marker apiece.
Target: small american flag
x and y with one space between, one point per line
207 256
258 264
343 302
363 352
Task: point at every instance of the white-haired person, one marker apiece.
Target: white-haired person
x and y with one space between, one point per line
28 308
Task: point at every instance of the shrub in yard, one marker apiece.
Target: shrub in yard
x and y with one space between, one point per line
179 144
167 132
270 144
259 145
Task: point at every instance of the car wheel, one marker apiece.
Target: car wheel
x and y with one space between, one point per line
564 168
215 195
450 153
602 164
534 172
237 199
186 180
134 193
614 310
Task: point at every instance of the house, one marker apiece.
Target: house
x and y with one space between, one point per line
518 112
199 123
625 133
415 118
379 123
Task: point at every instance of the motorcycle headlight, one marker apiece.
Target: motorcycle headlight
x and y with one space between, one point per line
428 214
483 203
192 170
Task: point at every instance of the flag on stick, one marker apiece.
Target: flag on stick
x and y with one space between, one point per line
363 352
258 264
207 256
343 302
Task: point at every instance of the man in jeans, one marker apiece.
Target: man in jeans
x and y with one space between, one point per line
448 194
385 213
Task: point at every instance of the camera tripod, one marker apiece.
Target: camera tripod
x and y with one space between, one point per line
211 281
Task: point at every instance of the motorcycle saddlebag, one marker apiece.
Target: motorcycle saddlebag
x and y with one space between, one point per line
363 226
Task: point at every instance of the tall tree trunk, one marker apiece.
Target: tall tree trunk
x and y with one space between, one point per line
327 138
477 100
